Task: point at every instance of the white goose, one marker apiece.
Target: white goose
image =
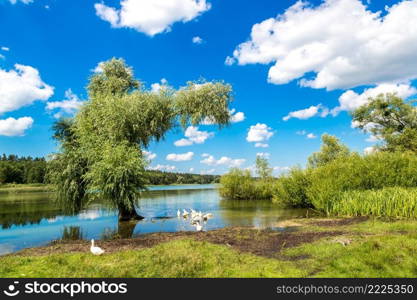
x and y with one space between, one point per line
96 250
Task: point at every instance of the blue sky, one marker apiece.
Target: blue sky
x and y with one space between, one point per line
317 60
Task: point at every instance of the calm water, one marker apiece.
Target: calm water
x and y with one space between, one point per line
31 219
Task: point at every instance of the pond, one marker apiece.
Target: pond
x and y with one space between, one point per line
32 219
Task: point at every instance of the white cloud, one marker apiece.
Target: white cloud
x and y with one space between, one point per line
307 113
197 40
311 136
369 150
21 87
157 86
5 48
341 42
259 133
193 136
180 157
301 132
280 170
207 172
149 155
191 170
224 160
261 145
351 100
23 1
264 155
68 106
2 56
151 16
15 127
229 61
158 167
98 68
235 117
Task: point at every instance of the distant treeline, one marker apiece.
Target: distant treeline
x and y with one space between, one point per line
159 177
15 169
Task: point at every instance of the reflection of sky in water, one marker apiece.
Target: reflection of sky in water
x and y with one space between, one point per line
29 220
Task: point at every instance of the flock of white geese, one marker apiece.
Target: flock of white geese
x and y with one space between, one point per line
197 218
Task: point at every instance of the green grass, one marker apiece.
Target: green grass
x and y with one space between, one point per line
377 249
388 202
25 188
183 258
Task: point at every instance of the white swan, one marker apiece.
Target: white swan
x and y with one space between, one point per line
198 227
207 216
96 250
178 213
185 213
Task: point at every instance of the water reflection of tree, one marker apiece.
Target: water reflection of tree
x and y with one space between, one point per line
26 212
124 230
72 233
259 213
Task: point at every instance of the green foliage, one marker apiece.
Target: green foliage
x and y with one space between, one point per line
395 202
362 173
391 119
262 168
329 151
238 184
290 190
21 170
101 149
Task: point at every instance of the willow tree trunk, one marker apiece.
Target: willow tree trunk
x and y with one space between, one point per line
127 214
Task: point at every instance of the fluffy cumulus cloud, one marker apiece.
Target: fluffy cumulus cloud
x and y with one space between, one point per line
235 117
68 106
159 167
3 48
351 100
223 161
259 134
15 127
151 16
20 87
180 157
307 113
337 44
149 155
311 136
197 40
158 86
193 136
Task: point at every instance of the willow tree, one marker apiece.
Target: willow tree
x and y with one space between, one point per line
102 146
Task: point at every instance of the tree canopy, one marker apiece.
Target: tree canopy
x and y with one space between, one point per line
101 147
331 149
390 119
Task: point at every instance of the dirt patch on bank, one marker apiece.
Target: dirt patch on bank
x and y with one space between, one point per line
267 243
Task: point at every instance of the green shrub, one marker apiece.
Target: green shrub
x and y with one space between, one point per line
239 185
291 189
389 202
376 171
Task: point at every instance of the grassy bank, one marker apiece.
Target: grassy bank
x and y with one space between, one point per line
25 188
314 248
